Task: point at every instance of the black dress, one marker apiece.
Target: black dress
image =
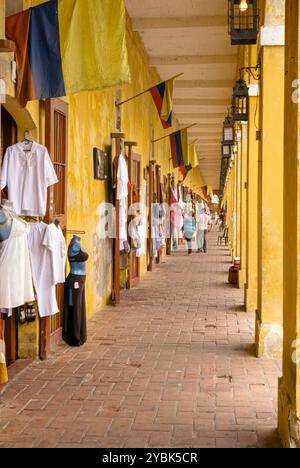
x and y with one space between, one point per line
74 319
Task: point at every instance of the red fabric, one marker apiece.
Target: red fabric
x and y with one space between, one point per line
157 98
174 151
158 101
17 30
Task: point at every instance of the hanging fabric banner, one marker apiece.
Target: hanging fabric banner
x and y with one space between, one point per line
193 157
210 193
180 148
67 46
204 191
163 98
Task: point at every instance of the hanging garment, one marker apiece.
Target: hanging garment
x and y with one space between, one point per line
28 172
74 320
122 194
42 269
123 222
74 317
54 240
7 312
15 271
123 179
141 252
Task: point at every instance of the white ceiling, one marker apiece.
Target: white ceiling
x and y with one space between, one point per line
191 37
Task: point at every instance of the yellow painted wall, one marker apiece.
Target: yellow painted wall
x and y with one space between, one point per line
92 117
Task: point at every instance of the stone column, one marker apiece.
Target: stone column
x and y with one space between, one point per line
238 175
234 217
252 180
289 387
270 187
243 205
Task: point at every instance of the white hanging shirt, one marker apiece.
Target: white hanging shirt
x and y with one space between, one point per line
122 194
28 174
123 179
15 271
54 240
42 273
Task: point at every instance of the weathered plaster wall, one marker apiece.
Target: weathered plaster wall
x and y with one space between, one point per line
92 118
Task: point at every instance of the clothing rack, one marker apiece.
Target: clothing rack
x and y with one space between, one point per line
76 232
32 219
57 223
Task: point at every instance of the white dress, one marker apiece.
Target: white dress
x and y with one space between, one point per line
27 175
41 263
15 271
54 240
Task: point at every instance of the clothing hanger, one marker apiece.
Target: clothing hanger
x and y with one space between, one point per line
28 140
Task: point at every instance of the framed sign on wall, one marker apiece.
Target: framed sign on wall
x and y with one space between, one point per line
100 164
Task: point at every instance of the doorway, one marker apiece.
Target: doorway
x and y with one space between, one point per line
135 168
56 136
9 137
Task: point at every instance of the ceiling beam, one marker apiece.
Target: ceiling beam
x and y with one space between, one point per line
206 136
201 115
212 132
204 126
201 102
143 24
205 84
193 60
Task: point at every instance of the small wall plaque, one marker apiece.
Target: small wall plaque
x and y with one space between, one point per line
100 164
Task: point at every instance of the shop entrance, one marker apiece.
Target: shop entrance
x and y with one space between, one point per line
135 170
56 137
9 137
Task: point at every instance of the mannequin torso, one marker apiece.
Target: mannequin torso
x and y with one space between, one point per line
5 221
77 257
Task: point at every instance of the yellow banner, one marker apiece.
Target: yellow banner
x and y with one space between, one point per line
93 44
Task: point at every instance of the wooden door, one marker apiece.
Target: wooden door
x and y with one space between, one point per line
135 174
57 144
8 327
159 199
150 185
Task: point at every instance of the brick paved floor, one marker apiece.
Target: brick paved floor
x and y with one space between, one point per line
173 366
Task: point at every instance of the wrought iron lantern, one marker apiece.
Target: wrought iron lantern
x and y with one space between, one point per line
240 102
243 21
225 163
228 131
226 150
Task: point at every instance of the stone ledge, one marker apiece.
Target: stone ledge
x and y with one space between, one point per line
268 339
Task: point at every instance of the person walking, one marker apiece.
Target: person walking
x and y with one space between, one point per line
204 222
189 230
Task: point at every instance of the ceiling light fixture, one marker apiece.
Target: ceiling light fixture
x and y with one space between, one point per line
244 5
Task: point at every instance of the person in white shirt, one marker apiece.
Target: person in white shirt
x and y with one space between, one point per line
203 223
